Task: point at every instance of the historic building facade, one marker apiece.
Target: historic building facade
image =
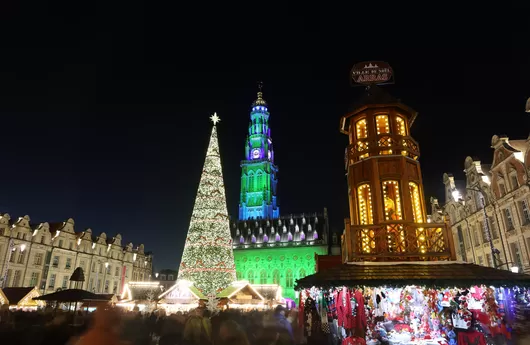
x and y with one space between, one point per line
46 255
269 248
387 208
490 213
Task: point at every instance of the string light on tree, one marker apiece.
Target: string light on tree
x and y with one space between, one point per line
208 258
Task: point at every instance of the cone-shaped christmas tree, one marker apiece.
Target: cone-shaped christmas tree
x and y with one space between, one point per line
208 259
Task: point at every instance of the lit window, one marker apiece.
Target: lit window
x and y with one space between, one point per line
400 126
250 276
365 204
382 124
383 127
392 200
289 281
360 126
366 217
416 202
263 277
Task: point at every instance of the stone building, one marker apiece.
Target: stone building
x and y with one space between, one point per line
167 278
45 256
493 202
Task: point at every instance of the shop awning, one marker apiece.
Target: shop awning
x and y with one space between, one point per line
400 274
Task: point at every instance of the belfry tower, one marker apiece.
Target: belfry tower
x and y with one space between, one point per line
258 172
388 219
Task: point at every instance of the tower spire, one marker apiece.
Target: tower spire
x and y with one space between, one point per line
260 100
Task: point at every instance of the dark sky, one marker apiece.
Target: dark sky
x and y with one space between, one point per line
104 109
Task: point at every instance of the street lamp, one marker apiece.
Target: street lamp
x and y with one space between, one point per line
487 230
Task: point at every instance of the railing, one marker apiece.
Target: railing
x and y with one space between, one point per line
393 241
383 144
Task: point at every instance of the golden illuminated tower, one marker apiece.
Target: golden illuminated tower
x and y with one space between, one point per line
387 208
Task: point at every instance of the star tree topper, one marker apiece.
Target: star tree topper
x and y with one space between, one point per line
215 118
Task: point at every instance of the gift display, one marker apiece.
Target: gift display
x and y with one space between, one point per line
411 315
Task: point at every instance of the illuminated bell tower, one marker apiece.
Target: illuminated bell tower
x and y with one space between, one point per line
258 172
387 208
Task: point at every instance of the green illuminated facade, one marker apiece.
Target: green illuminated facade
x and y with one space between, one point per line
282 265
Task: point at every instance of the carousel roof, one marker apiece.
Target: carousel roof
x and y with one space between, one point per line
427 273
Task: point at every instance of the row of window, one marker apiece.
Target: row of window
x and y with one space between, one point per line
382 126
392 202
263 276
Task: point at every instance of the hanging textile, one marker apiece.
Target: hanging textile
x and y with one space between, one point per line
344 310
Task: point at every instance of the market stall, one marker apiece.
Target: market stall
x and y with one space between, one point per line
20 298
428 303
183 296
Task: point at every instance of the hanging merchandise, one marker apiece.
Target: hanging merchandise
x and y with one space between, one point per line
344 309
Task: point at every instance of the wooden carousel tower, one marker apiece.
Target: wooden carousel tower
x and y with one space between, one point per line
388 220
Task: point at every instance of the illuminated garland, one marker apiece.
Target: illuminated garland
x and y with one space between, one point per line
208 258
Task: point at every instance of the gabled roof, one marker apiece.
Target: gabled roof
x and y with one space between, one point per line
141 291
16 294
236 287
181 285
432 274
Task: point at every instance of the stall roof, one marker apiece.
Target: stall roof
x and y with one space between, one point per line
428 273
19 296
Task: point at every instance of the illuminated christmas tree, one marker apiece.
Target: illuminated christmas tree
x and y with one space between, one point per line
208 259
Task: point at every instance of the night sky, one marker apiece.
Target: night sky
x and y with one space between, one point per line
105 110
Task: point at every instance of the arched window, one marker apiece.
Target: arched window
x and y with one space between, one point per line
382 124
276 277
289 281
259 181
250 277
365 204
360 129
383 127
238 275
392 206
301 274
361 132
263 277
417 212
366 217
251 186
392 200
401 129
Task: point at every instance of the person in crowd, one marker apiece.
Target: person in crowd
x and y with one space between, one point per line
231 333
198 328
105 329
283 325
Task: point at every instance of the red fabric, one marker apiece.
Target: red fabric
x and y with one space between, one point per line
471 338
353 341
481 317
360 319
504 331
344 312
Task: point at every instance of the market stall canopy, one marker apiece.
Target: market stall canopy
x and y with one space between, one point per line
20 297
141 291
241 292
71 295
400 274
183 292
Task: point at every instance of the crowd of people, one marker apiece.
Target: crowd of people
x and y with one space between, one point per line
112 326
